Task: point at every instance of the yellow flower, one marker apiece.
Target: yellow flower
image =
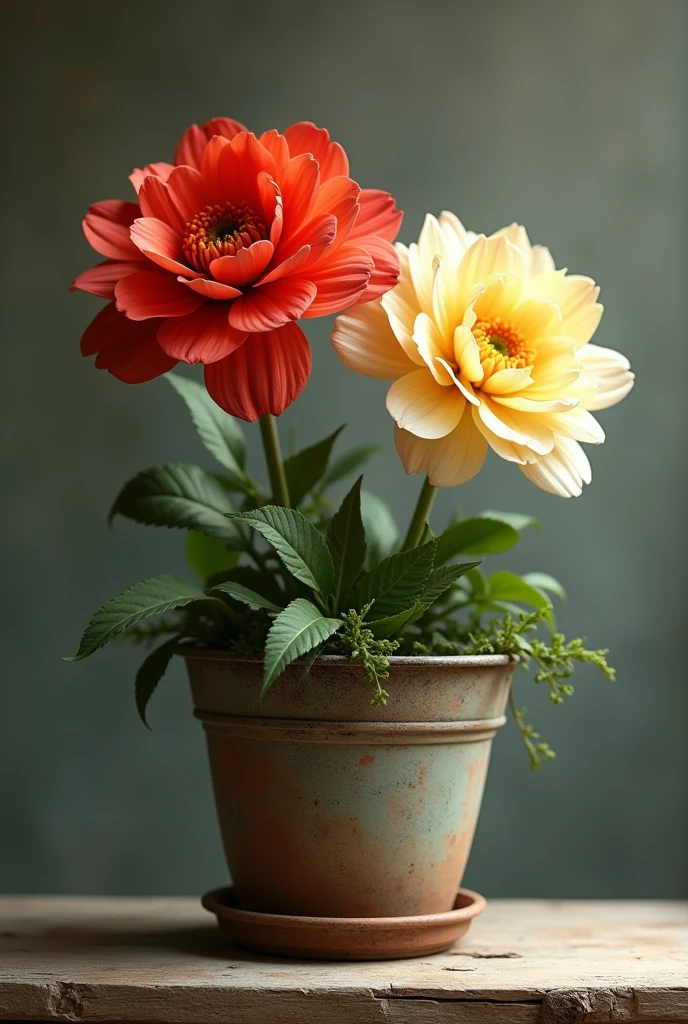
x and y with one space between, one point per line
487 344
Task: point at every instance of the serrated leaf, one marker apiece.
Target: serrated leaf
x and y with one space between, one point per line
219 432
295 631
507 586
382 628
262 581
297 542
208 556
477 536
346 540
396 582
179 496
304 469
150 597
518 520
151 672
382 534
543 581
348 463
246 596
442 579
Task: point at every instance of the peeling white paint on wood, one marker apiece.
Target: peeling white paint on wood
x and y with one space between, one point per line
164 960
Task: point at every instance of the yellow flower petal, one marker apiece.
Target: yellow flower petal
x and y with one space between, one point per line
501 295
522 428
504 382
562 472
467 355
432 348
541 261
577 423
505 449
485 257
402 307
456 238
448 461
612 374
364 341
419 404
536 318
576 298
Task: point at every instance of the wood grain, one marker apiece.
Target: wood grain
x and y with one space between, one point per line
164 960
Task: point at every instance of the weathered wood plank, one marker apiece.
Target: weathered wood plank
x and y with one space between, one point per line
164 960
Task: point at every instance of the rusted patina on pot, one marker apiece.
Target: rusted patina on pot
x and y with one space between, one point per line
330 807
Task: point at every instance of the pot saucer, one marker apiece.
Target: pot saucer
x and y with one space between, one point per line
344 938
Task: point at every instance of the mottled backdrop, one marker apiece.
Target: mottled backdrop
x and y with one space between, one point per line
569 117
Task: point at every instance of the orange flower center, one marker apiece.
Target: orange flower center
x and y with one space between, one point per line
501 346
221 229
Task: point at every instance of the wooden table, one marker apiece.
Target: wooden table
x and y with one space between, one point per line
110 959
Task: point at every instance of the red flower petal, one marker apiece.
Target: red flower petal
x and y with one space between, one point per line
156 202
340 280
244 267
152 293
195 139
188 192
271 204
162 244
379 216
277 145
266 374
239 165
305 137
127 348
101 279
288 266
158 170
211 289
317 234
271 305
210 167
202 337
386 272
299 187
106 226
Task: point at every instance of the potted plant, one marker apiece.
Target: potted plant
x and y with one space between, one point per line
350 681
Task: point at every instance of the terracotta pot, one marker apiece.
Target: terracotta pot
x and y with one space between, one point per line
329 807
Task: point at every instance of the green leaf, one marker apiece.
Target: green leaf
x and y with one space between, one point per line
261 581
348 463
305 468
346 540
295 631
219 432
151 672
476 537
182 496
208 556
246 596
543 581
396 582
297 542
442 579
150 597
381 628
515 519
507 586
382 534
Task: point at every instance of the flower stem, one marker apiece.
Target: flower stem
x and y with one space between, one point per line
420 515
273 459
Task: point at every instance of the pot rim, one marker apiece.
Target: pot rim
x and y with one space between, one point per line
340 661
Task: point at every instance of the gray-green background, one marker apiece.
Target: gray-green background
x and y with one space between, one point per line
569 117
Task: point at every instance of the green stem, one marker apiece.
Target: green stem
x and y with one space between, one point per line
420 515
273 458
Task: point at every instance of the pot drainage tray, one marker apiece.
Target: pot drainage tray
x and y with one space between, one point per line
344 938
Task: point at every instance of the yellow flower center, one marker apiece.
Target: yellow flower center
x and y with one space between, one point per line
221 229
501 346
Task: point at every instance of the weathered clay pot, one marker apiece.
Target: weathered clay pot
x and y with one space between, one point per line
330 807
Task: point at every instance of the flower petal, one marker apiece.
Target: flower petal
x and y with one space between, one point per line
487 256
162 244
576 298
128 349
416 402
378 216
563 471
577 423
385 270
101 279
537 318
505 382
456 239
107 228
157 202
188 192
305 137
211 289
276 145
340 280
431 347
266 374
245 266
467 355
194 140
202 337
402 307
365 342
449 460
269 306
612 373
522 428
161 170
151 293
299 187
239 166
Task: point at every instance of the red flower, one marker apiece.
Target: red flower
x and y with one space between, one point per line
224 250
